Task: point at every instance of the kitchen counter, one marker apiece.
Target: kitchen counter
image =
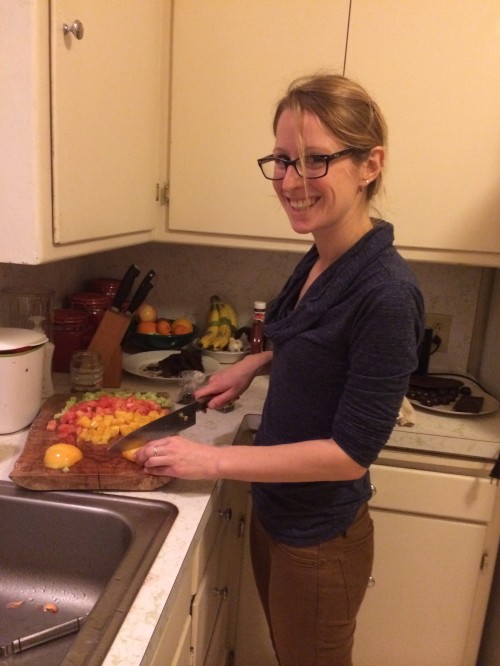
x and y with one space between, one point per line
477 436
474 436
192 498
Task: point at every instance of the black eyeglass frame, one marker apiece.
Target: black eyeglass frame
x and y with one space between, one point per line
286 163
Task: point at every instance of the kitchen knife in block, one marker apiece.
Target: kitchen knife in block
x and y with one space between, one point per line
107 340
113 326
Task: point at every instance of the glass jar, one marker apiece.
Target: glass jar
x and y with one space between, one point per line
86 371
70 333
18 306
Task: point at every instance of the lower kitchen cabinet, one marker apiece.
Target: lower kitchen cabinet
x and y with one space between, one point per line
201 628
253 642
219 652
215 578
182 654
421 601
173 645
436 535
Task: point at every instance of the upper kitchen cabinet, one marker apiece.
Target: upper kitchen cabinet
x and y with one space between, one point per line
82 88
434 68
231 61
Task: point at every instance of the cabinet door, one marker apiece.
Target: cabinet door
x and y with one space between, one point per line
418 611
218 653
231 61
105 106
434 69
214 607
210 596
172 639
253 641
182 656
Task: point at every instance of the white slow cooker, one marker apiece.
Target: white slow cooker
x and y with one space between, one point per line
21 375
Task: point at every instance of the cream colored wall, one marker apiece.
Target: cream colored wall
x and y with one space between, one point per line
188 275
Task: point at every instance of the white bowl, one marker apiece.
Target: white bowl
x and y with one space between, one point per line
225 357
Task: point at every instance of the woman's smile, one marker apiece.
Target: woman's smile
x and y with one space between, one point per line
300 205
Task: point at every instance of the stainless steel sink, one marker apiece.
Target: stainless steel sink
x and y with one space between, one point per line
248 427
85 553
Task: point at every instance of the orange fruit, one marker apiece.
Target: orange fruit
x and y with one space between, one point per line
180 329
182 326
146 327
163 327
146 313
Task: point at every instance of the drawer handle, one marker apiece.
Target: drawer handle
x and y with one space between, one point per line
221 591
373 489
371 581
225 514
76 29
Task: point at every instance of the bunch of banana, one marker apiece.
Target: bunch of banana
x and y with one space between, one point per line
222 324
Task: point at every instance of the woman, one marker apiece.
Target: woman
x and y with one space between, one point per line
345 331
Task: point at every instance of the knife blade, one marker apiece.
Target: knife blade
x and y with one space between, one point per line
140 295
171 424
124 288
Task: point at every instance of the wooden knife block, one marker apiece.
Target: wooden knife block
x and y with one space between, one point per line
112 371
107 341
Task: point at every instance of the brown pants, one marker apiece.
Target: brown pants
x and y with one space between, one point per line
311 595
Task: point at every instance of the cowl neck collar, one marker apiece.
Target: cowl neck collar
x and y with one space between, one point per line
286 318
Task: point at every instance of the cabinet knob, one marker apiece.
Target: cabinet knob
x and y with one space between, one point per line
373 489
225 514
76 29
371 581
221 591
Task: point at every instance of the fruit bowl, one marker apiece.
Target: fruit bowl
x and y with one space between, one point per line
225 357
152 341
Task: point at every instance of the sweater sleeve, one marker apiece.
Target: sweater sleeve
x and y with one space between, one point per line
382 355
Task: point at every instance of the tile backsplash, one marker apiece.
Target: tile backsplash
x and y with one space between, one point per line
188 275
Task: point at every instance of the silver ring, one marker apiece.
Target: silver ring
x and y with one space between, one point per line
155 451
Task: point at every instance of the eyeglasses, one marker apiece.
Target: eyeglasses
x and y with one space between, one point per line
308 166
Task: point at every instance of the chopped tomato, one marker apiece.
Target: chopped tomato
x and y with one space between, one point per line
100 419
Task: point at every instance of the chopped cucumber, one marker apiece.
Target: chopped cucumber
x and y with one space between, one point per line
95 395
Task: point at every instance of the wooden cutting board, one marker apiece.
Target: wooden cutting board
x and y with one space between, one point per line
100 469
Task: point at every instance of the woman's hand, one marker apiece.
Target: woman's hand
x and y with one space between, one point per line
179 457
228 384
313 460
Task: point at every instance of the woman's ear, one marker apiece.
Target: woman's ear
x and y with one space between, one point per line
373 164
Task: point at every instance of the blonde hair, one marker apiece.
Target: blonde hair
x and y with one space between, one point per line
344 108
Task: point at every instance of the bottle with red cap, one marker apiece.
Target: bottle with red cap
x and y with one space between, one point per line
257 329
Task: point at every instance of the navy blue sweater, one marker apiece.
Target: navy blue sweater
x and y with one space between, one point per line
341 363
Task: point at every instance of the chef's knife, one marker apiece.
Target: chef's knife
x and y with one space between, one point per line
125 288
140 295
171 424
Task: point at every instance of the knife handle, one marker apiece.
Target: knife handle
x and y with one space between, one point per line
125 287
142 291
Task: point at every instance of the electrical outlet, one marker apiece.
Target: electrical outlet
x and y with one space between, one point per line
441 326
